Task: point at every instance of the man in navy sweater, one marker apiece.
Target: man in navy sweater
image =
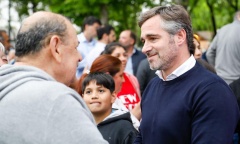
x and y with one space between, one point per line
186 103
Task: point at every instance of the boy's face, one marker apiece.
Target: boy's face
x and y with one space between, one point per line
98 99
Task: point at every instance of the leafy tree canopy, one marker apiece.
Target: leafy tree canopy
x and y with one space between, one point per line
206 14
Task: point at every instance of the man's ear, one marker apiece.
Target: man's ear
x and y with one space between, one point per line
180 37
113 98
55 47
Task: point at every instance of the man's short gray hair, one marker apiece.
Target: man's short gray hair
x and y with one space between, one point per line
32 39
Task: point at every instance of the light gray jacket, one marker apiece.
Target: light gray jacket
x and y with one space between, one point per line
224 52
36 109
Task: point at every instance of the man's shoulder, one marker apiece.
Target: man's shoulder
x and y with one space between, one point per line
81 37
138 54
62 88
138 50
52 88
202 78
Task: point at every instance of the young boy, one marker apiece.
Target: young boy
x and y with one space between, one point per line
99 94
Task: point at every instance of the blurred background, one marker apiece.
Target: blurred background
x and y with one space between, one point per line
207 15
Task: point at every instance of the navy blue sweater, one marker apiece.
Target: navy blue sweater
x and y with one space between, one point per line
197 107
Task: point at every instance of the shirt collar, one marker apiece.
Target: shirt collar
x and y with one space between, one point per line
100 44
134 50
186 66
82 39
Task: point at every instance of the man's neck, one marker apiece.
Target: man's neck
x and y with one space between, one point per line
100 117
173 66
87 36
42 62
103 41
130 51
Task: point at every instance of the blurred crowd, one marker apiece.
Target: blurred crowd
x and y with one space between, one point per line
57 86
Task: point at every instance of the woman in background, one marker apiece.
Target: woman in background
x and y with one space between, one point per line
112 66
198 55
130 92
197 51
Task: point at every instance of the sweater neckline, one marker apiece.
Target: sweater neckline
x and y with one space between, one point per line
181 77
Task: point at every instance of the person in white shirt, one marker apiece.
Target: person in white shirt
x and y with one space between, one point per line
87 39
106 35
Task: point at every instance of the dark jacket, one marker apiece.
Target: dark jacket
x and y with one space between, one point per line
118 130
137 57
235 86
144 74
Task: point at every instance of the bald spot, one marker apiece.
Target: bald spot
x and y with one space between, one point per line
32 20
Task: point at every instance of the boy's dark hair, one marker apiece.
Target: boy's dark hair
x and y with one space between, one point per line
90 20
101 78
106 29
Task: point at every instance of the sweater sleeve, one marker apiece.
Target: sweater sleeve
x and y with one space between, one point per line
69 121
215 115
138 139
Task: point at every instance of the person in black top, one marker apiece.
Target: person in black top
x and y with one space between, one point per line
99 94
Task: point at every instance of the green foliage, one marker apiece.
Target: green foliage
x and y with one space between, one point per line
200 17
205 14
211 14
26 7
120 13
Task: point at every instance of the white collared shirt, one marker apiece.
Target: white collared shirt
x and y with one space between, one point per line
186 66
94 53
85 46
129 66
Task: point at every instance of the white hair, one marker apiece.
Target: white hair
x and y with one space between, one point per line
2 48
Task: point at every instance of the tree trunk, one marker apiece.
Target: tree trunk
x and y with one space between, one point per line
104 14
210 5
